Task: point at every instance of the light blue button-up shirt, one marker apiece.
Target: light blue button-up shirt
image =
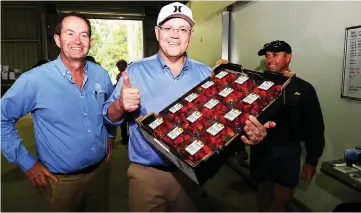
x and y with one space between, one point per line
69 128
158 88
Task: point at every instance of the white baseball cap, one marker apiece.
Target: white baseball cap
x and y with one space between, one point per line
175 10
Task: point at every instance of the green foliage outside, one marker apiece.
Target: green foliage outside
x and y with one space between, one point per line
114 40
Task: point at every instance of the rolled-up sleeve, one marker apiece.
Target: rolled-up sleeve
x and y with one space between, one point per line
111 129
114 96
19 100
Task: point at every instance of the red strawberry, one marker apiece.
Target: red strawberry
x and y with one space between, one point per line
247 107
263 102
169 124
200 155
191 105
186 137
170 116
255 110
229 131
231 99
159 132
185 123
244 117
232 77
277 87
167 140
178 140
223 120
206 149
220 108
263 93
238 94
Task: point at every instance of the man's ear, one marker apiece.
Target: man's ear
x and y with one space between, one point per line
156 30
91 41
288 57
57 40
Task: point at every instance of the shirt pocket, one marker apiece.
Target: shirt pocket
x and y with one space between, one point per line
99 99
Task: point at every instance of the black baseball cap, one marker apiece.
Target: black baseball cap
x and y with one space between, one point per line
275 46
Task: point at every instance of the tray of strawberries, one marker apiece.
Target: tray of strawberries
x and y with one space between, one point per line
201 125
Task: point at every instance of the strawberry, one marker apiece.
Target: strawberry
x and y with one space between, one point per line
247 107
206 112
243 118
187 137
229 131
231 99
178 140
206 149
200 155
223 120
169 124
167 140
238 94
263 93
263 102
277 87
220 108
184 123
159 132
191 105
214 142
201 100
255 110
170 116
232 77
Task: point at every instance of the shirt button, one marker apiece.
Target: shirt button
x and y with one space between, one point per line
82 96
88 130
84 113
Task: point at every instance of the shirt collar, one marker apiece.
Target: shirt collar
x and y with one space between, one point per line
64 70
164 65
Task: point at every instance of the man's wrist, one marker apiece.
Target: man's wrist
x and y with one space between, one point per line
118 106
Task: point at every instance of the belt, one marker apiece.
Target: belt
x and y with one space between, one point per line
85 170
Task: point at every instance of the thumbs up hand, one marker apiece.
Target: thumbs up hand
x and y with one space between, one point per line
129 99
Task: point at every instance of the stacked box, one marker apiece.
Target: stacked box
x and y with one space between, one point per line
196 131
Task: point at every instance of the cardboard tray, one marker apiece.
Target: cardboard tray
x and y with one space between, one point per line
210 165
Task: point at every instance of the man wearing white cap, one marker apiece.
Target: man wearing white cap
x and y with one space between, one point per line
149 85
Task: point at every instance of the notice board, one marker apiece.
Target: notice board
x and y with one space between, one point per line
351 76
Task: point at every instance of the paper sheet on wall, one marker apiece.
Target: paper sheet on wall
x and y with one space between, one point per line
352 66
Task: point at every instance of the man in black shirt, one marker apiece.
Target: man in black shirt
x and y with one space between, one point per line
275 163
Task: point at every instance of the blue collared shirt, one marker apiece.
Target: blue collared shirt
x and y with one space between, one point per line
158 88
69 128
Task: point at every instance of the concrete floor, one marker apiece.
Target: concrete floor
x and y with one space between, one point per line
227 191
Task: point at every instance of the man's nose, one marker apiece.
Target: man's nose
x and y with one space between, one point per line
175 33
77 39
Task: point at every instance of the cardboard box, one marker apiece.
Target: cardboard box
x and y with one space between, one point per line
200 171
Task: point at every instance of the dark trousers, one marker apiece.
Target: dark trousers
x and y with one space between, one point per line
80 192
124 132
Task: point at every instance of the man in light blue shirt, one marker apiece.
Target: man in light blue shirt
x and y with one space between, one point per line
149 85
65 97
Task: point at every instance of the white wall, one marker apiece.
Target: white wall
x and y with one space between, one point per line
315 30
206 45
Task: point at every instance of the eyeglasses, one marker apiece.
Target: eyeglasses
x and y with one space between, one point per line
182 31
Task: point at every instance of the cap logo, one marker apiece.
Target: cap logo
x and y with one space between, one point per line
177 9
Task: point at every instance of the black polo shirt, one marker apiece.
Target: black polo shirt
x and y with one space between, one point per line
300 120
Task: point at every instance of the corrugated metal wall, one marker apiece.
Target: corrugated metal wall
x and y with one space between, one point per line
20 36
